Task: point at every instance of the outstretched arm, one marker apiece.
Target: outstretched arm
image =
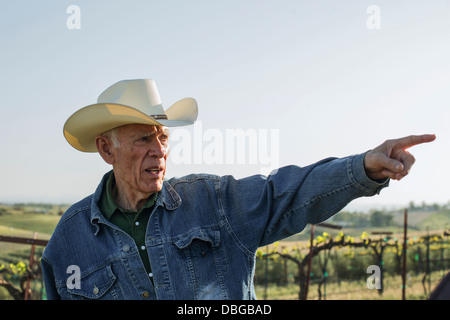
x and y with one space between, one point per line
391 159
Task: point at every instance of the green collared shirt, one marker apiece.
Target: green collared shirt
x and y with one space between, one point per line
133 223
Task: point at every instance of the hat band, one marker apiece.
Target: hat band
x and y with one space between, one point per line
159 116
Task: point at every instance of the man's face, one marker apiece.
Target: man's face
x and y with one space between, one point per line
140 158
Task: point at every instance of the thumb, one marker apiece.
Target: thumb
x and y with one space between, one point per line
379 166
390 165
394 165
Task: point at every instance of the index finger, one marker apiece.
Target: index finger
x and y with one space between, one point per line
413 140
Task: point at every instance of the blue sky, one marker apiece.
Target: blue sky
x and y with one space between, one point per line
310 70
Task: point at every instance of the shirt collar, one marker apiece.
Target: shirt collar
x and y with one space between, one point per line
167 197
107 204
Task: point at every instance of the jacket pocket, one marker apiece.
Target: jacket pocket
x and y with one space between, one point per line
204 265
95 285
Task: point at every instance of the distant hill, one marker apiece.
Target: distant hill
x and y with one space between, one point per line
420 219
432 218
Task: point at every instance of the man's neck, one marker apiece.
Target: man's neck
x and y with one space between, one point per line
133 201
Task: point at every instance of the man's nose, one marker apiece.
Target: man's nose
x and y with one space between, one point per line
157 149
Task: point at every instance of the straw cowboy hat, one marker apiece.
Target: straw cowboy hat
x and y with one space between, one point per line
125 102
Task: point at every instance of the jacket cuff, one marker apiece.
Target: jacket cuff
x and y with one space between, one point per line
359 178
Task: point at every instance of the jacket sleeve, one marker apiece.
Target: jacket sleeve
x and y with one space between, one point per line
262 209
49 280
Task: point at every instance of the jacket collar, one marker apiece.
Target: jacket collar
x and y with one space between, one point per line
167 197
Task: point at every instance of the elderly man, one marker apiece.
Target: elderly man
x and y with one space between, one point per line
142 237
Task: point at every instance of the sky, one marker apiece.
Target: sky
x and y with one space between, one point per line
298 81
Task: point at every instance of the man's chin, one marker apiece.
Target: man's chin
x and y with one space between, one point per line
154 187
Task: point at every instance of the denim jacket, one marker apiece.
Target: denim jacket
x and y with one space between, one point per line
202 235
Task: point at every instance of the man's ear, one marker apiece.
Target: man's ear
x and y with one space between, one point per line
104 146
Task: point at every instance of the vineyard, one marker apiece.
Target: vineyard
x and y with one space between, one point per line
339 259
347 264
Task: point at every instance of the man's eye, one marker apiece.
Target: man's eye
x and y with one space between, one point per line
144 138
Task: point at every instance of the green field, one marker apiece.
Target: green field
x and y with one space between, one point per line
26 221
32 222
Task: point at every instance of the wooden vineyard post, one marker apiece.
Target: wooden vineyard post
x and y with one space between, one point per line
311 252
308 274
379 255
405 226
30 266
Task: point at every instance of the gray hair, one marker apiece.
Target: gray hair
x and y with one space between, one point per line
112 135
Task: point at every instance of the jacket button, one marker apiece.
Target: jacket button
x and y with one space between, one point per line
95 291
126 248
145 294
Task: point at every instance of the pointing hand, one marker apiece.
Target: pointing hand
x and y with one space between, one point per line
391 159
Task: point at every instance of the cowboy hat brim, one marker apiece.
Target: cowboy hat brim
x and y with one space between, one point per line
82 127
